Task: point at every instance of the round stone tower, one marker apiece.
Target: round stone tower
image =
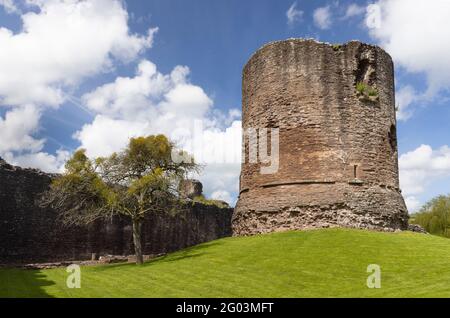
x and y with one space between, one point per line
332 110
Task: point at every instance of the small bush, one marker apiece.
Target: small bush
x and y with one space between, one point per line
361 87
434 216
372 92
366 90
201 199
336 47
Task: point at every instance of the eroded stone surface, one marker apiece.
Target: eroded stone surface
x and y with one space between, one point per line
191 188
416 228
338 151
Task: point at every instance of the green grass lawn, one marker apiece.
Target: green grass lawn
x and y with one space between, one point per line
320 263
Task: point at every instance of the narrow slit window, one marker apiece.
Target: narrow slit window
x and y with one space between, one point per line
393 138
355 170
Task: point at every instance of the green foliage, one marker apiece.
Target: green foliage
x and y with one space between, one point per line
318 263
205 201
79 163
434 216
147 153
336 47
366 90
152 180
141 179
361 87
80 194
372 92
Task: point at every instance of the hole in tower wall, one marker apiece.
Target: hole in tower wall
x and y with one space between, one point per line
365 72
365 77
363 66
392 137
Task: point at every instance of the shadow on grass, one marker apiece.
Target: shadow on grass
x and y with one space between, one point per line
190 252
187 253
21 283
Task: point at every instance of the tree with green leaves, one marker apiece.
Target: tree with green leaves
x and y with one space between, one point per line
139 180
434 216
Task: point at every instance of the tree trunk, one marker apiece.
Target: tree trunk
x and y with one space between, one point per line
137 227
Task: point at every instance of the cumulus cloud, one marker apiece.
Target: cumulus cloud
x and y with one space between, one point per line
354 10
420 168
59 44
405 97
106 135
19 147
149 102
322 17
17 127
412 203
222 195
40 160
9 6
415 33
293 14
152 103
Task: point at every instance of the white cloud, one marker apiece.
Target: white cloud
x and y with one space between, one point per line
186 100
129 97
222 195
41 160
354 10
293 14
412 203
9 6
16 130
19 147
222 181
420 168
106 135
415 33
322 17
59 44
405 97
151 103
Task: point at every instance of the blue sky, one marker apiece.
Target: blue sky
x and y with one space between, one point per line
213 39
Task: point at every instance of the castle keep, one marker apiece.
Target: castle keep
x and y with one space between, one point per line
338 163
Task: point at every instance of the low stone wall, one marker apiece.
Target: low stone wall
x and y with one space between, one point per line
29 233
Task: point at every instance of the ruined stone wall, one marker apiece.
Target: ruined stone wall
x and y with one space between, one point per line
29 233
338 149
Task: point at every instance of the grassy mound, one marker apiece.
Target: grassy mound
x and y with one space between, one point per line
320 263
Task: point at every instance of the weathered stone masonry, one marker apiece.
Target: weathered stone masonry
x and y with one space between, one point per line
29 233
338 148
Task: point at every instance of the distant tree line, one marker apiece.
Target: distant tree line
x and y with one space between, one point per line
434 216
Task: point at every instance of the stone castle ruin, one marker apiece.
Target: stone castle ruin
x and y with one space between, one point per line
338 163
30 233
334 112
